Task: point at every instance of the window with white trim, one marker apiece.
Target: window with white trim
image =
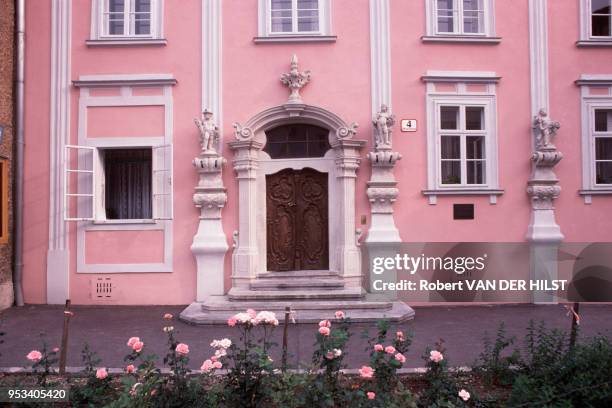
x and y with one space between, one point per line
126 19
460 18
600 15
294 18
461 134
602 140
117 183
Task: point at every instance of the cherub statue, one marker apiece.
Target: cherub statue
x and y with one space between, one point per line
383 122
546 130
209 132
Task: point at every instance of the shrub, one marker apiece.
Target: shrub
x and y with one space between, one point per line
493 365
97 389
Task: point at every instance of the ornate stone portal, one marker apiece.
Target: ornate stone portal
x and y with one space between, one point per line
313 294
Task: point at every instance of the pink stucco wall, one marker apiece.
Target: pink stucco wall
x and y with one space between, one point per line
341 83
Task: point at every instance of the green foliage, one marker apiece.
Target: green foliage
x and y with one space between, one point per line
94 392
43 367
495 364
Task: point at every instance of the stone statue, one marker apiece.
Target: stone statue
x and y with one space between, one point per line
295 80
383 122
209 132
546 130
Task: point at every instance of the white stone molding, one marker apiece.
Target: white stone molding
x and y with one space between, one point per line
380 54
295 80
119 80
58 254
538 55
210 243
543 187
382 188
480 77
251 165
212 62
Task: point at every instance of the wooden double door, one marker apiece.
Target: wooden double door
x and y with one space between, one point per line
297 220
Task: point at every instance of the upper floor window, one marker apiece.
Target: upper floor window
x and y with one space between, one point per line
126 20
460 19
294 141
293 20
600 18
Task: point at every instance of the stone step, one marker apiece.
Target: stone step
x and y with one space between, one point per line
236 294
297 284
298 274
217 309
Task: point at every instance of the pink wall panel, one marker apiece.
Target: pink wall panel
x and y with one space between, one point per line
125 121
129 247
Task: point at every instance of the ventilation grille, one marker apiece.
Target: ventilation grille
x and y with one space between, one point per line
102 289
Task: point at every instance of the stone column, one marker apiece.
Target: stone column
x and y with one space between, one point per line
347 163
246 255
543 188
209 244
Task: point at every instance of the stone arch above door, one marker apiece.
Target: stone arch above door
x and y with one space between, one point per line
251 165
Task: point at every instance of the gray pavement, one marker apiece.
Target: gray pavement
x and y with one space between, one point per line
107 329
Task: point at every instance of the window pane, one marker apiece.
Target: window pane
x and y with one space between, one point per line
472 5
450 147
281 4
604 173
281 25
449 117
445 24
445 4
116 6
475 172
308 24
281 13
474 118
451 172
600 6
115 27
141 6
128 183
472 22
307 4
142 27
603 120
600 26
475 147
603 148
293 141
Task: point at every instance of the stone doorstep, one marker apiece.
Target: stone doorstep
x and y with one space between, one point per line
218 310
239 294
297 283
299 274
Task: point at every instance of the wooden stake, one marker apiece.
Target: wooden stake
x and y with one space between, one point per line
285 338
575 323
64 350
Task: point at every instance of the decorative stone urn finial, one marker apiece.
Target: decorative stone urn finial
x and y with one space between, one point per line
209 132
546 131
295 80
383 125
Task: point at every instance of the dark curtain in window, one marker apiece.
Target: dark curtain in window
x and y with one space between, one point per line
128 183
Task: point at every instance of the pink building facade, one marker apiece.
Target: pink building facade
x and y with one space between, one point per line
113 154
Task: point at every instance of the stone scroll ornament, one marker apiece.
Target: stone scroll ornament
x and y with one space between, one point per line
209 132
295 80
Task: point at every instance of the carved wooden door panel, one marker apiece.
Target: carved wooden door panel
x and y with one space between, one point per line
297 220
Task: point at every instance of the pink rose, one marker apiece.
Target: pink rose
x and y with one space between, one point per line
34 355
213 358
101 373
400 336
329 355
366 372
168 316
252 313
182 349
400 357
130 368
464 395
132 341
137 347
340 314
207 366
324 323
371 395
231 322
56 349
390 349
324 330
436 356
378 347
217 364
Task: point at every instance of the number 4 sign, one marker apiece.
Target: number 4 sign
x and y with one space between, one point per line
409 125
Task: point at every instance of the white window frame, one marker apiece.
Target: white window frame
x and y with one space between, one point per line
99 29
586 23
431 10
589 104
265 23
462 96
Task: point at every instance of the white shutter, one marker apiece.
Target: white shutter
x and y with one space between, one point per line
79 183
162 182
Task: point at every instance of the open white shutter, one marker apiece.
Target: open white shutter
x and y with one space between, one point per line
79 183
162 182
